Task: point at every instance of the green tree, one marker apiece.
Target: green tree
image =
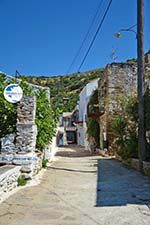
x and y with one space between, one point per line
124 128
8 112
93 129
46 118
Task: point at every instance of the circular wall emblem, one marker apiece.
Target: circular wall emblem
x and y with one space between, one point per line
13 93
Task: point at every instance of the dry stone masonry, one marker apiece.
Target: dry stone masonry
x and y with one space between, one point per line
26 127
26 137
20 148
8 179
7 144
8 149
117 81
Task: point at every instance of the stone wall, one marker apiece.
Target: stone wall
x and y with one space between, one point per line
8 179
26 155
51 149
134 163
7 144
8 149
146 168
119 80
122 82
26 127
147 57
20 149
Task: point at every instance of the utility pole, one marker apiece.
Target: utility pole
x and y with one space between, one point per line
140 86
65 132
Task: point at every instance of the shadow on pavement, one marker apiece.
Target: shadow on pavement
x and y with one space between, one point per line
118 185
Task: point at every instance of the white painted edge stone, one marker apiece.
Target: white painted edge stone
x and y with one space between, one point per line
36 180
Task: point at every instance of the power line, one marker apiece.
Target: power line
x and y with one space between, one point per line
96 33
86 36
135 25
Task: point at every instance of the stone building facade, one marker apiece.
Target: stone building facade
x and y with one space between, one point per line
147 58
118 80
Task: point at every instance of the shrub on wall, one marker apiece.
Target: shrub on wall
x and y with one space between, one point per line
147 108
124 128
46 118
93 130
147 120
8 112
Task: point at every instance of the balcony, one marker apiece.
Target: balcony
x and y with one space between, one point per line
95 112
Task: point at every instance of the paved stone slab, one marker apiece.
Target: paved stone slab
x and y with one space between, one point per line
79 189
4 169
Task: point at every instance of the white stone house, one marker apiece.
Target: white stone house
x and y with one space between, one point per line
66 133
84 98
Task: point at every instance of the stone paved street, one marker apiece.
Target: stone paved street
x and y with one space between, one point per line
80 189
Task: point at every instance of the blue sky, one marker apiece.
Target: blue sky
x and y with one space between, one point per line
41 37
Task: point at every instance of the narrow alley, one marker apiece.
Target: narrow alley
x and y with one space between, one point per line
80 189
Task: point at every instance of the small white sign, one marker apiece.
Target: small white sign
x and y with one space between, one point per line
13 93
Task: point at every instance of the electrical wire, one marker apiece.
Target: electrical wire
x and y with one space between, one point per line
135 25
86 36
96 33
